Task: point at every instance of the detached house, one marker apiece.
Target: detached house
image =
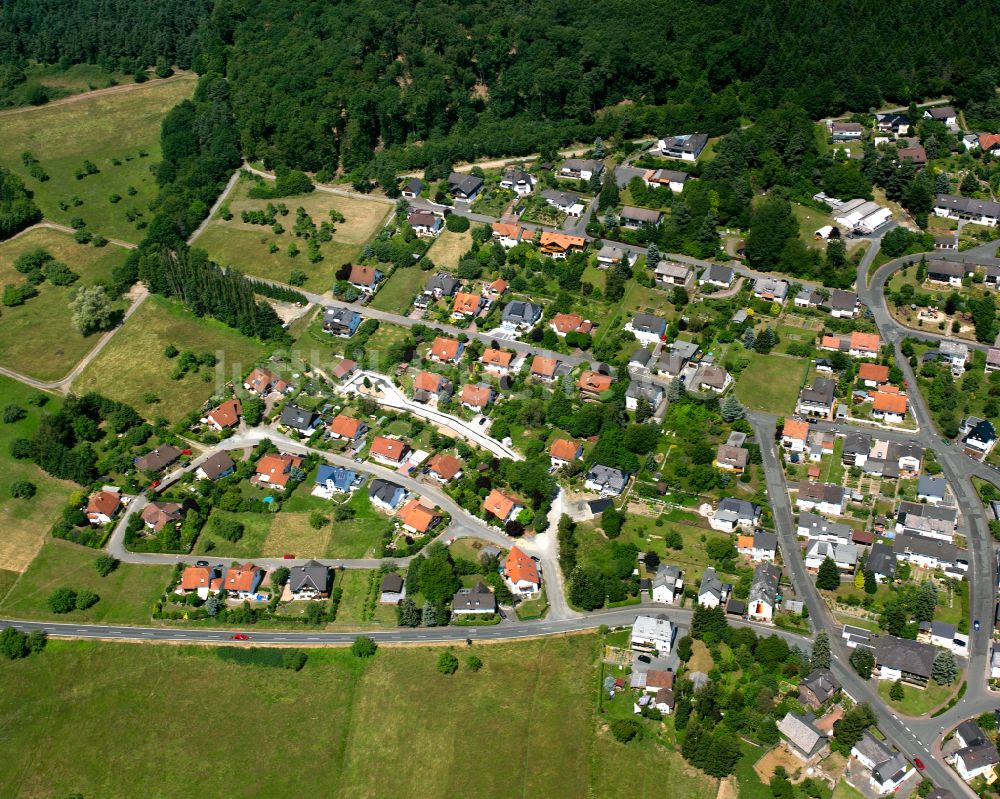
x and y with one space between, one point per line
158 515
889 407
652 634
667 585
632 217
564 323
818 688
580 168
275 470
103 506
215 467
497 362
348 428
201 580
763 597
646 328
712 592
821 497
902 659
606 480
843 554
559 245
818 399
731 459
795 434
846 131
440 285
224 415
392 591
390 451
843 304
668 178
342 322
385 495
521 573
562 452
157 460
543 368
669 273
365 278
446 350
760 547
473 601
653 393
888 769
684 147
242 580
299 419
802 738
718 276
734 513
467 304
262 382
518 181
413 188
417 518
770 289
444 468
508 235
944 114
477 397
310 581
564 201
873 375
520 315
464 187
592 384
502 506
332 480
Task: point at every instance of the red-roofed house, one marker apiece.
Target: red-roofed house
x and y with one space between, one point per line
864 345
477 397
593 383
202 580
242 580
563 323
444 468
365 278
447 350
262 382
544 368
889 407
795 434
225 415
521 573
418 518
495 289
562 451
275 470
502 506
873 374
347 427
102 506
391 451
496 361
466 305
508 235
430 385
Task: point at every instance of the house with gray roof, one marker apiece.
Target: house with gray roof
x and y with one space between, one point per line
982 212
386 495
216 466
717 275
564 201
475 600
976 761
684 146
734 513
668 584
637 390
392 590
412 188
821 497
817 399
818 688
341 322
520 315
802 738
580 168
903 659
928 553
857 446
309 581
640 358
845 555
464 186
927 520
685 349
647 328
763 598
882 562
931 489
299 419
517 181
671 273
712 592
771 289
887 768
606 480
843 304
633 217
817 528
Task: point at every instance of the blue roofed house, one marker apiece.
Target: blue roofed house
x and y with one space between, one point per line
332 480
341 321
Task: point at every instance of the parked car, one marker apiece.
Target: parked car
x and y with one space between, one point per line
201 563
918 763
288 556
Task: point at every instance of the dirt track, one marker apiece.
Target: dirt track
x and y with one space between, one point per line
75 98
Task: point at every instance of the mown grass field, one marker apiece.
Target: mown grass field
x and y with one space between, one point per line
292 533
38 338
97 128
25 521
771 382
399 291
134 363
448 248
256 527
357 537
127 594
388 727
245 246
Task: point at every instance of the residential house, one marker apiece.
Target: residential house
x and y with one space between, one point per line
564 201
274 470
503 506
508 234
889 407
857 446
892 123
474 601
864 345
543 368
562 452
392 590
592 384
563 323
882 562
947 243
444 468
102 506
846 131
861 215
948 272
731 459
495 289
718 276
763 598
981 212
477 397
440 285
845 555
887 769
993 360
348 428
446 350
518 181
157 460
467 304
300 420
873 375
668 584
931 489
761 547
365 278
224 415
242 580
497 362
390 451
670 273
413 188
201 580
978 437
928 520
927 553
795 434
818 399
915 153
646 328
158 515
342 322
807 298
262 382
418 518
609 255
956 354
821 497
653 393
817 528
734 513
770 289
559 245
944 114
385 495
632 217
310 581
344 368
712 592
520 572
977 761
464 186
332 480
652 634
606 480
902 659
968 733
818 688
520 315
907 456
684 147
580 168
802 738
215 467
843 304
670 178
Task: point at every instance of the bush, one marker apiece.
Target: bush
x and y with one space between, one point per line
23 489
86 599
363 647
473 663
447 663
13 413
625 730
456 223
294 659
105 564
13 643
62 600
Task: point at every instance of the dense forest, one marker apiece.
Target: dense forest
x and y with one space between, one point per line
362 84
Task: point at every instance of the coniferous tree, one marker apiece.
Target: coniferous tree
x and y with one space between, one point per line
944 670
820 657
828 576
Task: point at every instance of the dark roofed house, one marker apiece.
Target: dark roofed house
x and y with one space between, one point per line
299 419
413 188
632 217
478 599
392 590
818 688
903 659
309 581
802 738
158 459
464 187
216 467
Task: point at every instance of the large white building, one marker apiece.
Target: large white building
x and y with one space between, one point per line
652 634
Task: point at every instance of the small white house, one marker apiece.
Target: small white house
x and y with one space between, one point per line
652 634
668 584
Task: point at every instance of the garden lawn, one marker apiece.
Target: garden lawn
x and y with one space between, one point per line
255 530
810 220
245 246
358 537
845 790
26 522
354 583
771 382
291 533
398 292
133 363
38 338
370 717
126 595
448 248
919 702
98 128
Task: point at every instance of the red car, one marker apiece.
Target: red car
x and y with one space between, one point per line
185 452
241 637
918 763
288 557
154 484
